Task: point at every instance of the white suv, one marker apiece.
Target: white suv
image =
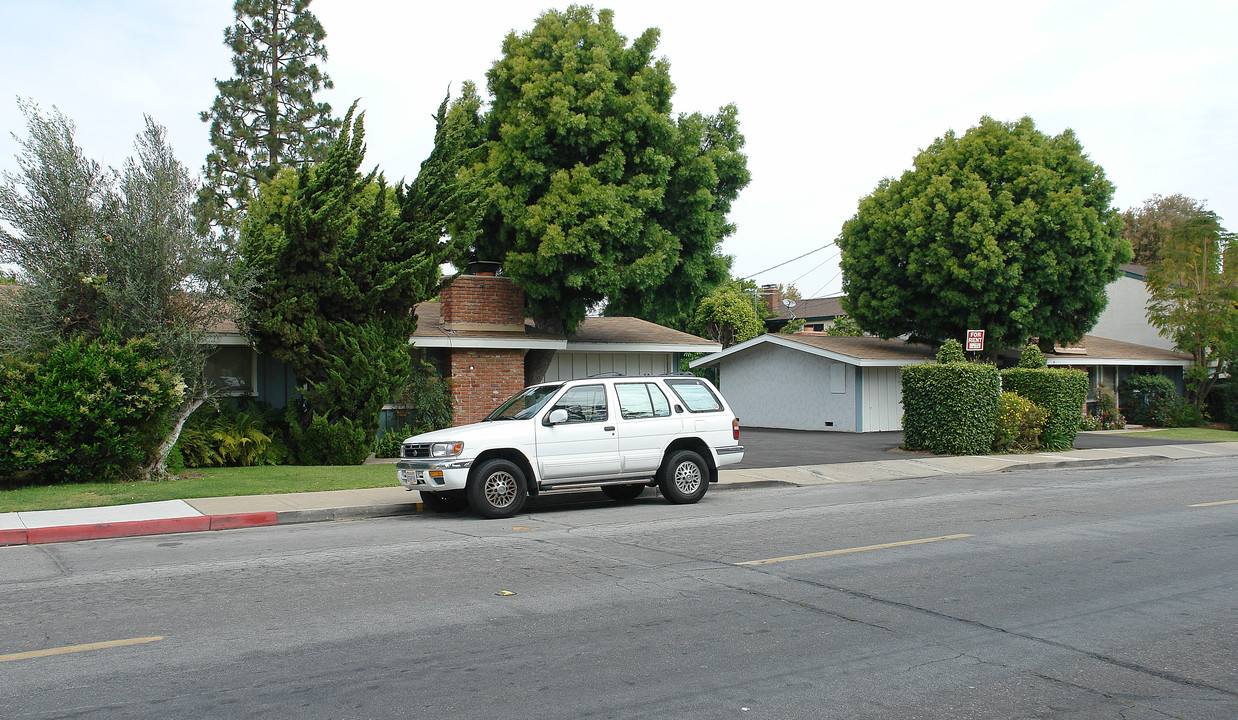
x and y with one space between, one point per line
617 433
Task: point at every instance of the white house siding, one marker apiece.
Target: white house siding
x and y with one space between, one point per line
881 399
775 387
1125 316
574 365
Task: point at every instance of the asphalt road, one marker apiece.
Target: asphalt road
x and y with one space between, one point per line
1105 593
764 447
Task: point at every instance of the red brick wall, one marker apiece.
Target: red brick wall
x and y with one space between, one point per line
482 299
482 379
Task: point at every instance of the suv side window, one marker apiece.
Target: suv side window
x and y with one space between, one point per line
695 395
641 400
584 403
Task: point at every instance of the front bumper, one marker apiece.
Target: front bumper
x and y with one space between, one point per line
433 475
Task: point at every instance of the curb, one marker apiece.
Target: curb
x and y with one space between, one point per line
100 531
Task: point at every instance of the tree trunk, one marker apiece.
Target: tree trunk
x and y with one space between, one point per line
157 467
537 362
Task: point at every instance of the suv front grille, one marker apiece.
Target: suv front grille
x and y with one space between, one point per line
416 450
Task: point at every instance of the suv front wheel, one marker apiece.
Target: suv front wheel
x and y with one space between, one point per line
684 477
497 489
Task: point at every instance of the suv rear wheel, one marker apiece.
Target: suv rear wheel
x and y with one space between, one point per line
684 477
497 489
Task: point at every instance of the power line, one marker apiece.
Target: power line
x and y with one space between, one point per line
827 282
801 277
810 252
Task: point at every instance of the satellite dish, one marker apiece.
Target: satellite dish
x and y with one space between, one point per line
789 302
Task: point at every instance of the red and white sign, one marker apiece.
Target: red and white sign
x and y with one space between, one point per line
975 340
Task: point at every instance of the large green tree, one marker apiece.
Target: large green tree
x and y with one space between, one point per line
1003 229
114 256
728 315
1148 227
339 260
265 117
596 194
1194 299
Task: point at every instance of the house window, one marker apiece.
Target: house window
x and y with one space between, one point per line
231 369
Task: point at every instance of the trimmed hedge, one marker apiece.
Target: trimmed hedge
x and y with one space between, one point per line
1061 391
950 408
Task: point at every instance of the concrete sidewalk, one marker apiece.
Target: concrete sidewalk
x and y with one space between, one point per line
175 516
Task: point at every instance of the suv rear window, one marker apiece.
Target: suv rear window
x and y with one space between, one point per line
695 395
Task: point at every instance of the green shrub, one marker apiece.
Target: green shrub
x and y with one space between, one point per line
1032 358
341 441
1223 402
392 439
1019 424
1061 391
1108 416
1149 400
951 351
950 408
230 437
1090 422
84 411
425 403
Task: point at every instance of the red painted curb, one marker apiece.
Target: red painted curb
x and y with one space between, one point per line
97 531
243 520
12 537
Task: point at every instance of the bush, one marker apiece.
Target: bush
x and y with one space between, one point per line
1019 424
1149 400
85 411
1060 391
950 408
231 437
951 351
391 441
1032 358
328 442
1223 402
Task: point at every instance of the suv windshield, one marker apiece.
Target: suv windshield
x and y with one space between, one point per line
525 404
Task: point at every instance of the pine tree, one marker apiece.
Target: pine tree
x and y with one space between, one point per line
265 117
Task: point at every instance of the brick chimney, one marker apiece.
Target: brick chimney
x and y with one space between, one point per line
772 294
482 302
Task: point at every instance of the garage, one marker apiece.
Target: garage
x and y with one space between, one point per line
816 382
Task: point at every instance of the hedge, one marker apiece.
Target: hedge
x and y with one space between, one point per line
950 408
1061 391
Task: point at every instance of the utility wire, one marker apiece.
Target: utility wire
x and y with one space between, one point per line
810 252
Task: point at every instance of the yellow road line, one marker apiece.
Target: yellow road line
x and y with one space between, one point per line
78 648
1211 504
853 550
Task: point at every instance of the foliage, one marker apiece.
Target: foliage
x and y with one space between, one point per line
727 316
1194 299
1107 416
106 252
339 265
1223 402
1003 229
1148 399
1019 424
231 437
265 117
845 326
1061 391
595 194
1032 358
950 408
951 351
425 403
1147 228
84 410
391 441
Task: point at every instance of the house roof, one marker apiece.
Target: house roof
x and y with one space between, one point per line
1093 350
861 351
875 352
595 334
811 309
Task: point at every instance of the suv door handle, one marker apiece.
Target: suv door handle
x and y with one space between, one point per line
609 428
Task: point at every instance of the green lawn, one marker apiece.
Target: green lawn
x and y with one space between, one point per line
201 482
1208 434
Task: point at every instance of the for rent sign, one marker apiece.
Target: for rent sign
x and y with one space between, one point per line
975 340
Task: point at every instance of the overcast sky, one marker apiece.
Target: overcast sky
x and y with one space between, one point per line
832 96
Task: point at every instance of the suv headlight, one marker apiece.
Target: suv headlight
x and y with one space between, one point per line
446 449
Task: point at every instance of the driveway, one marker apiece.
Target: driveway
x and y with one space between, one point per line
765 447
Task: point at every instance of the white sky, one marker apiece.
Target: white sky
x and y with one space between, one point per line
832 96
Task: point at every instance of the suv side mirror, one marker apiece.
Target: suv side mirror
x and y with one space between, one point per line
558 416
